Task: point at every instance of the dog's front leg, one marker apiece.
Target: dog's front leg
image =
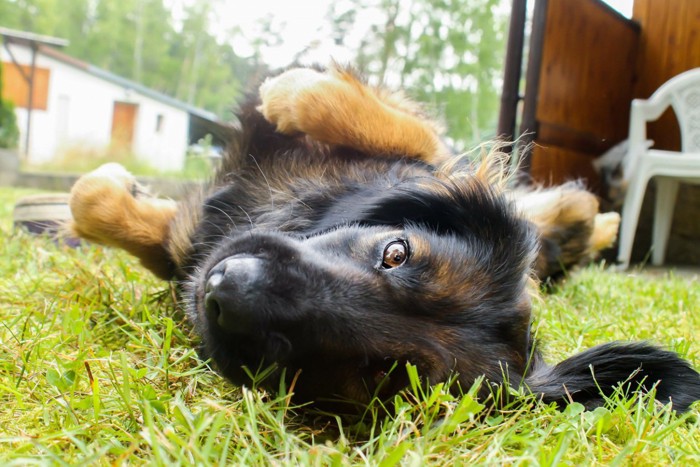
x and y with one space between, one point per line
111 208
335 107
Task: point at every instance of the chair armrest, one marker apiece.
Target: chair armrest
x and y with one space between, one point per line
642 112
649 109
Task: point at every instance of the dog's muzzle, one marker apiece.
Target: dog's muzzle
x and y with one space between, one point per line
232 292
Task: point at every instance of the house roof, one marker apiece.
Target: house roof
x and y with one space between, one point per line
28 38
47 45
127 83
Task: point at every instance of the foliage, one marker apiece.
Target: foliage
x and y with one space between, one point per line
9 132
98 367
448 54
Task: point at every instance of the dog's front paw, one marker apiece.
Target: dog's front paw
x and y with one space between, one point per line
335 107
286 96
98 200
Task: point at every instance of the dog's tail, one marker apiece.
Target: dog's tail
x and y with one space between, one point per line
595 374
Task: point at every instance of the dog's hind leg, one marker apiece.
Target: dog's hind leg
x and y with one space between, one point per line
571 229
111 208
336 108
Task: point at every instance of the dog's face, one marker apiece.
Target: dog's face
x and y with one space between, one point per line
428 272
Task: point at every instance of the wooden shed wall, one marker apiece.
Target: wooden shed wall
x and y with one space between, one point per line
586 84
669 45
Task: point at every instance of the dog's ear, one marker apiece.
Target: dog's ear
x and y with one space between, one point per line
594 374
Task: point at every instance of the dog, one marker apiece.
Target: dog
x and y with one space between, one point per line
340 240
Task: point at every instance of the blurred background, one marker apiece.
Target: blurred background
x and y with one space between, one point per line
448 54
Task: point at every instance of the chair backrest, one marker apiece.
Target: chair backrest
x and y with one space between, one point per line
682 93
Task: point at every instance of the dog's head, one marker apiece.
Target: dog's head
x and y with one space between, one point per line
429 271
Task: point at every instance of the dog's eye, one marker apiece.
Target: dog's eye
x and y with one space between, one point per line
395 254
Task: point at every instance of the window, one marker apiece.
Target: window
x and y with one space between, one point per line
16 89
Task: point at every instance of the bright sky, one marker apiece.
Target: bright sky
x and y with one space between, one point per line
302 25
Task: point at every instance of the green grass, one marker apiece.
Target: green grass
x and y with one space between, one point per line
97 367
81 160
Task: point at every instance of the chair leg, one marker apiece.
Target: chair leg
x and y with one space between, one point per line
630 217
666 193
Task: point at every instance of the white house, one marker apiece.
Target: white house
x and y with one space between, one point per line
76 105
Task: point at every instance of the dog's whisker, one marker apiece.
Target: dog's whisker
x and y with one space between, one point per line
228 216
269 188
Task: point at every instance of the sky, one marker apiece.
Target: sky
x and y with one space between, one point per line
302 25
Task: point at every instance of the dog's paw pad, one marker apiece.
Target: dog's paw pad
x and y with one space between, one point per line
282 95
112 174
112 169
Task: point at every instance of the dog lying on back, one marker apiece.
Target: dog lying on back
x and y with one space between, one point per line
340 240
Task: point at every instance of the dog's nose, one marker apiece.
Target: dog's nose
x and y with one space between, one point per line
231 293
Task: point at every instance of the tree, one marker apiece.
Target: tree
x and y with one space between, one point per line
9 133
446 53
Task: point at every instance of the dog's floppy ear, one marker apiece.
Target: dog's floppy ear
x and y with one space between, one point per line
594 374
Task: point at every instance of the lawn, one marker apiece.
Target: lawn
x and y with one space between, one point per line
97 366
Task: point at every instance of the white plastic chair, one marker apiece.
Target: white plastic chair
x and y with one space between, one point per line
670 168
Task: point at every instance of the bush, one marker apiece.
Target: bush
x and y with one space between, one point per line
9 133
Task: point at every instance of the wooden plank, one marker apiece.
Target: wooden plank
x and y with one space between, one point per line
585 87
528 124
553 165
587 71
16 89
550 134
510 95
670 44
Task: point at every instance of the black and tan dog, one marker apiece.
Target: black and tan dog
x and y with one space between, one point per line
340 238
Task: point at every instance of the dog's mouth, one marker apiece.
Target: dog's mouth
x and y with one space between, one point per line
309 370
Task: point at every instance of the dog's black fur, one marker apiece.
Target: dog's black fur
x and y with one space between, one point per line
289 271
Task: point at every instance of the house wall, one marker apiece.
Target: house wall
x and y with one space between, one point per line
79 113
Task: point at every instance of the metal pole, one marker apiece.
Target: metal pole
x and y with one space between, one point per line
528 126
510 94
30 102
